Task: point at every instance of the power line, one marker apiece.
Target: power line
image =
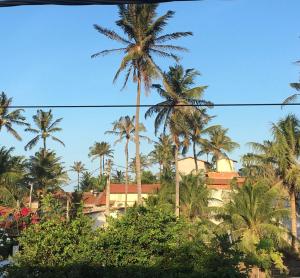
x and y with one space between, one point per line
151 105
8 3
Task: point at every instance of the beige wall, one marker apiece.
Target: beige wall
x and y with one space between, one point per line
187 165
119 199
225 165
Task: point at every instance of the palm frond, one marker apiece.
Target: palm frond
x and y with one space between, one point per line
32 143
110 34
108 51
58 140
173 36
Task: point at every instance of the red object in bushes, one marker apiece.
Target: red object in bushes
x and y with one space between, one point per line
25 212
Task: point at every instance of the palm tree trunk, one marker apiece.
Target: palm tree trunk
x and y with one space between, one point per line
176 182
78 180
137 140
45 147
103 163
100 167
195 156
107 197
126 173
293 220
160 170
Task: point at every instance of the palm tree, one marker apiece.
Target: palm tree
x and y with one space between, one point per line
78 167
10 118
46 172
293 97
100 150
145 163
254 213
171 112
163 153
220 143
286 150
278 159
124 128
142 29
194 197
12 178
260 164
46 126
119 177
195 128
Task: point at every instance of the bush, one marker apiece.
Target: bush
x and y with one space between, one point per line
145 242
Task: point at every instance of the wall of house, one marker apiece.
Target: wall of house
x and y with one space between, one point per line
186 166
225 165
120 199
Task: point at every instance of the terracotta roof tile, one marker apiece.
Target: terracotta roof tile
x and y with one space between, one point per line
92 199
146 188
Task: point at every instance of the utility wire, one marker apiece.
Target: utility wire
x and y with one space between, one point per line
151 105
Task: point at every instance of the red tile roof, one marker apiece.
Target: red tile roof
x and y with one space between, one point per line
218 180
98 199
93 199
132 188
222 175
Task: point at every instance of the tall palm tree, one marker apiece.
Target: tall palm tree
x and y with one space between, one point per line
124 128
78 167
9 118
46 127
100 150
143 39
286 150
221 144
279 159
170 113
163 153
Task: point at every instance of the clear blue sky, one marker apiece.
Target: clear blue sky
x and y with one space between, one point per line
244 49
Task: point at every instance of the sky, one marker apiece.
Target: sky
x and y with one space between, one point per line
245 51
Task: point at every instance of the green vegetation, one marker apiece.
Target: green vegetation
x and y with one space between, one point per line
163 249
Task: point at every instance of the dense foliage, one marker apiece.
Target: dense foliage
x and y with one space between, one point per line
145 242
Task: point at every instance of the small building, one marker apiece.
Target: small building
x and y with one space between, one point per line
94 203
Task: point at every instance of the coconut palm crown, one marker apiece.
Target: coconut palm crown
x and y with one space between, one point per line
100 150
9 118
46 127
78 167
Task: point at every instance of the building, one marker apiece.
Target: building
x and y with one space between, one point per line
94 203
